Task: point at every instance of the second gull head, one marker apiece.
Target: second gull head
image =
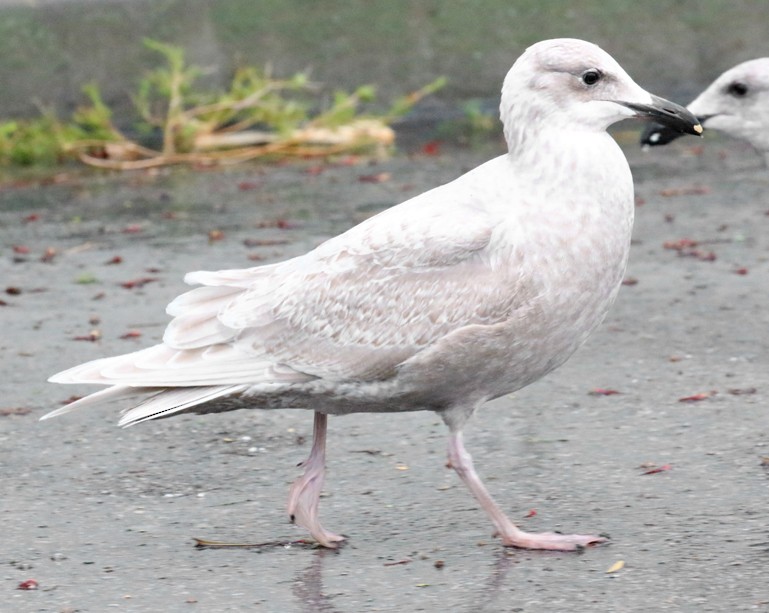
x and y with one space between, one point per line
736 103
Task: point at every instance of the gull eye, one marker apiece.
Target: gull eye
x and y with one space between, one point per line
591 77
737 89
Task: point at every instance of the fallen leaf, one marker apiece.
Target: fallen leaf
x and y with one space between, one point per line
599 391
692 190
403 561
85 279
134 228
681 243
629 281
281 224
116 259
698 397
618 565
13 291
432 147
29 584
92 336
687 247
131 334
215 235
20 249
379 177
6 412
265 242
48 255
531 513
31 217
141 282
247 185
659 469
741 271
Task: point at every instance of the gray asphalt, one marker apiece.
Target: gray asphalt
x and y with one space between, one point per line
103 519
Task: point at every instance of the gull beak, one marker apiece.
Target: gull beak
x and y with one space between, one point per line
657 134
669 114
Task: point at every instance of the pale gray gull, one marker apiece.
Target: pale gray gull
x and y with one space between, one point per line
462 294
736 103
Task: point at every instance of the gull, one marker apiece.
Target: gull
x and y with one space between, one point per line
736 103
460 295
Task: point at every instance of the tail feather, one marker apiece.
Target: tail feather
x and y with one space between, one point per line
170 401
111 394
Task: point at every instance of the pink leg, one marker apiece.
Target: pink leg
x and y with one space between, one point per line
511 535
305 491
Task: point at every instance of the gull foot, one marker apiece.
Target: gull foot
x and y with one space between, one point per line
554 541
303 508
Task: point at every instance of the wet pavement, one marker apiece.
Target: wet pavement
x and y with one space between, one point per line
104 518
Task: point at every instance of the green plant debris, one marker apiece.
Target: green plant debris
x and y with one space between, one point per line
86 278
256 116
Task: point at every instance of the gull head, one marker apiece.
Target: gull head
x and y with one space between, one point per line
736 103
572 85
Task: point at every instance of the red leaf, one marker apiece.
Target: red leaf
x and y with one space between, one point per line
5 412
432 147
92 336
21 249
31 217
131 334
29 584
133 228
116 259
141 282
680 244
531 513
629 281
599 391
659 469
247 185
741 271
698 397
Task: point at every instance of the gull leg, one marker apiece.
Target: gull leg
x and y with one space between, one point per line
511 535
304 495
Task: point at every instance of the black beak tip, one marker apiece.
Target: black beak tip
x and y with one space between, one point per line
655 134
672 117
